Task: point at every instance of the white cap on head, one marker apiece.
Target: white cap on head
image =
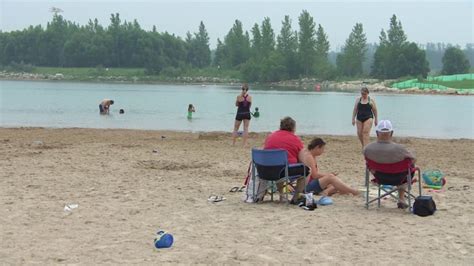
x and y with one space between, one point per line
384 126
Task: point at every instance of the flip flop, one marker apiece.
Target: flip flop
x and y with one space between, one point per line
241 189
308 208
215 198
234 189
325 200
465 187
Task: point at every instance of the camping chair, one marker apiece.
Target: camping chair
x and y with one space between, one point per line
272 166
393 174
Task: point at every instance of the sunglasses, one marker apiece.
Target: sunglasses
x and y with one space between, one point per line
244 89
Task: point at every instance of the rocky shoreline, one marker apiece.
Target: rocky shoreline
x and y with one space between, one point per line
373 85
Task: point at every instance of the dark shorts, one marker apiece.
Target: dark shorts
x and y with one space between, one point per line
101 108
242 116
391 179
314 186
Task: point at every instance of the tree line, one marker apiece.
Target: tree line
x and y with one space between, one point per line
261 55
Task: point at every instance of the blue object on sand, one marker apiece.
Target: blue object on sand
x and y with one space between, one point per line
325 200
163 240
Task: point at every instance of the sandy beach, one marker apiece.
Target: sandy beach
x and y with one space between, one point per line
126 192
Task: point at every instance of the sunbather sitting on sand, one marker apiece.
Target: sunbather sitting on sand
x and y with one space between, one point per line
324 183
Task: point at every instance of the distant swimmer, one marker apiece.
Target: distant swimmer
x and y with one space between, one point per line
256 113
104 106
191 110
122 111
243 103
365 111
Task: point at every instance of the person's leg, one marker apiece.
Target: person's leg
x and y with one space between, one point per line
366 127
329 191
359 126
246 131
236 128
337 183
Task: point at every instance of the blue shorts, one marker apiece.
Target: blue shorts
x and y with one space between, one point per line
101 108
314 186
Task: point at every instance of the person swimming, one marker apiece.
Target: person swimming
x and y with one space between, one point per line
191 110
256 113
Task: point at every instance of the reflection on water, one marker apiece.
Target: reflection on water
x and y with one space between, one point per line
65 104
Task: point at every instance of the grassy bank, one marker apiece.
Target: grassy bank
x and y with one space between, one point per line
138 74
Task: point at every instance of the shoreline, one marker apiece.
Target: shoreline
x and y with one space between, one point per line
252 134
304 84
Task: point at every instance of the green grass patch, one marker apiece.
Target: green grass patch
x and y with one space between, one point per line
84 72
456 84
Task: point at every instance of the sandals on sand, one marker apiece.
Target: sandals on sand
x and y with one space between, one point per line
237 189
301 202
215 198
465 187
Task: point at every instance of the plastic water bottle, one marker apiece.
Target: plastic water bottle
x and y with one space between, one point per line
309 199
163 240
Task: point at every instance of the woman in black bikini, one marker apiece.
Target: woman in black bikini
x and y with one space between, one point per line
366 112
243 103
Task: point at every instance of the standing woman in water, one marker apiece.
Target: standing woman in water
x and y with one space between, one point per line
243 103
365 111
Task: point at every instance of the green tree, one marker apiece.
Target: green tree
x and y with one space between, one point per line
455 62
322 50
198 51
396 57
306 43
256 41
268 38
287 46
349 61
236 48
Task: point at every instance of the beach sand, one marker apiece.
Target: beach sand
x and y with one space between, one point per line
126 192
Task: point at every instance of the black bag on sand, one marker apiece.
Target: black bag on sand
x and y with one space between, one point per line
424 206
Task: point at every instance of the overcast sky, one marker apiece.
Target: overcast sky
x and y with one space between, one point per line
423 21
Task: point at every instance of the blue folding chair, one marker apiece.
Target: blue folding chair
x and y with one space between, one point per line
272 166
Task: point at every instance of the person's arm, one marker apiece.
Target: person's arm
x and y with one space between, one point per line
374 110
310 162
354 112
408 154
237 101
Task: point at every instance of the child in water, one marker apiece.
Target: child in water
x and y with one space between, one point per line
256 113
191 110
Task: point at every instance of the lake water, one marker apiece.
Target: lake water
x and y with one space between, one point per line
67 104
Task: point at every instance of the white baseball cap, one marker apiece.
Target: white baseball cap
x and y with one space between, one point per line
384 126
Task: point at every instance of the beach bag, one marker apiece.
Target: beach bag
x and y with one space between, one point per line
424 206
434 179
260 188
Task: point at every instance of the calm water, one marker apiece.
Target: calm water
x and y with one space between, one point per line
64 104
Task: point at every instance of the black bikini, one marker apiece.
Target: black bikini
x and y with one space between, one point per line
364 111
